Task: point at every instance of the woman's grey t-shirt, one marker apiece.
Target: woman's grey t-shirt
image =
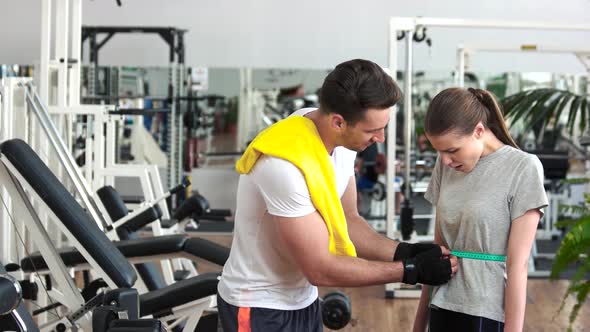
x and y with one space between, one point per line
474 212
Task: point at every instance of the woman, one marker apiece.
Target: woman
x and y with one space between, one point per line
488 196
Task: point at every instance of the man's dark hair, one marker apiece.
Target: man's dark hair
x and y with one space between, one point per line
354 87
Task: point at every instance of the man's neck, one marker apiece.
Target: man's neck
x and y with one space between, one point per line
322 125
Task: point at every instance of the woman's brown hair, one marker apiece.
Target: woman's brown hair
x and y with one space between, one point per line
462 109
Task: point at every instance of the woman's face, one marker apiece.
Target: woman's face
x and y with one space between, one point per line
459 151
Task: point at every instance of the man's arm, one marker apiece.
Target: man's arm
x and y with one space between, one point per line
368 243
307 241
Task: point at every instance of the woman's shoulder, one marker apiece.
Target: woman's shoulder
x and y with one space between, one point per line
521 159
520 155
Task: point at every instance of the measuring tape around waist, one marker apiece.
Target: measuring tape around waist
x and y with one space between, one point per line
472 255
479 256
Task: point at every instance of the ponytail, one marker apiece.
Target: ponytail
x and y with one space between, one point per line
495 121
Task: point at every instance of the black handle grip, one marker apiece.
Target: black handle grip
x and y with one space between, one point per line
180 187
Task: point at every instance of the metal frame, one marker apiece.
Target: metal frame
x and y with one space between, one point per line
246 112
148 174
66 61
463 51
19 189
64 155
174 37
69 294
408 25
60 110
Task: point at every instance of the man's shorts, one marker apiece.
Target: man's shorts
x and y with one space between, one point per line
238 319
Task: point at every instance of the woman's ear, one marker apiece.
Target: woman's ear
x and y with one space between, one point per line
479 130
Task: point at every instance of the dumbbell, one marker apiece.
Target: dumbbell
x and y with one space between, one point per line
378 191
10 294
336 310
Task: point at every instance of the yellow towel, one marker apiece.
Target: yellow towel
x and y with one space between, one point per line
297 140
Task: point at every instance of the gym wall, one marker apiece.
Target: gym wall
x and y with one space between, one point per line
302 34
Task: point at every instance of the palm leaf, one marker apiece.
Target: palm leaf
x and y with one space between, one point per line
541 106
566 100
522 108
584 110
543 109
575 243
573 113
573 209
574 249
509 102
572 181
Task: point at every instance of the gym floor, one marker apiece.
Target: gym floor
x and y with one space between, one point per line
372 312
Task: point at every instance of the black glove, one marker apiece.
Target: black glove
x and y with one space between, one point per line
406 250
429 267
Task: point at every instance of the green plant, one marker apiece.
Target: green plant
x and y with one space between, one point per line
538 108
575 250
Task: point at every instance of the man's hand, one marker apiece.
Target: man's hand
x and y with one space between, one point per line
431 267
406 250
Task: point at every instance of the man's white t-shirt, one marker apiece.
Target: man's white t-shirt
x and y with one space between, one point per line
260 271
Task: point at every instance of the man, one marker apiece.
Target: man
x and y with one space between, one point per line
297 225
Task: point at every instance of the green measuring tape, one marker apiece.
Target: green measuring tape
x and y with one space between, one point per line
473 255
479 256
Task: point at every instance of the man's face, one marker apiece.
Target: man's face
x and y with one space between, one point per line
369 130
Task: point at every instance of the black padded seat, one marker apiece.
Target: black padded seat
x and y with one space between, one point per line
69 255
151 246
168 223
179 293
160 245
116 209
69 212
194 205
212 227
207 250
132 199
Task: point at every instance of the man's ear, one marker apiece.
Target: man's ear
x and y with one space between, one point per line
337 121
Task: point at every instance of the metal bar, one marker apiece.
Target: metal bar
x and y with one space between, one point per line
45 48
532 48
391 143
82 109
98 162
111 135
140 210
104 41
93 68
179 132
497 24
58 269
156 186
408 112
64 155
61 50
76 51
129 29
6 126
461 66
